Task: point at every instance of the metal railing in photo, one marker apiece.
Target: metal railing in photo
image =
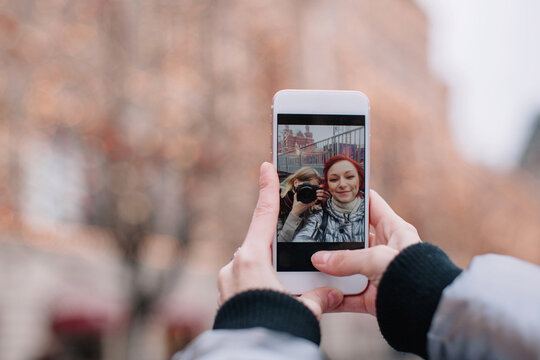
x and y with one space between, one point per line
349 143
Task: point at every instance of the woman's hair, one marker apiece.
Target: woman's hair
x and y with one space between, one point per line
334 159
302 174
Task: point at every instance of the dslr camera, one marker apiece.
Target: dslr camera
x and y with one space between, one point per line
307 192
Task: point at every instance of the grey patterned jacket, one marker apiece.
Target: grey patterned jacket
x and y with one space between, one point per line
340 227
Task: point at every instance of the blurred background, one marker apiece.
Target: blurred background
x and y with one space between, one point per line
131 133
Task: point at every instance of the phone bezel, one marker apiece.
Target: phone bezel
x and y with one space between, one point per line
324 102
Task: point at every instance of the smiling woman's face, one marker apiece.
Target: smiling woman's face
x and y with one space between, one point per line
343 181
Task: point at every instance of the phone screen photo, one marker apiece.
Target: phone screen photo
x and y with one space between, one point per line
321 166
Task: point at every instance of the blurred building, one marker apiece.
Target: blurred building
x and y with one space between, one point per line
131 137
290 141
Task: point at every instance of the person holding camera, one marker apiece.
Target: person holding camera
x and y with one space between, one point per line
342 219
299 196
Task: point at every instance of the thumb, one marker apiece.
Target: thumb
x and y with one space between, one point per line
263 223
371 262
322 300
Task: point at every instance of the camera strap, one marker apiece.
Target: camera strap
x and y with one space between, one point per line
322 229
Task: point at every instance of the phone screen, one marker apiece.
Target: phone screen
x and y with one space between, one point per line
321 166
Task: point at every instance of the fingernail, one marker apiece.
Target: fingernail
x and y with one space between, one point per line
265 165
320 258
333 299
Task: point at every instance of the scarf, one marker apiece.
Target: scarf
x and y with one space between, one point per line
346 208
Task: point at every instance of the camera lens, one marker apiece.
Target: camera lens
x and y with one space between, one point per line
307 192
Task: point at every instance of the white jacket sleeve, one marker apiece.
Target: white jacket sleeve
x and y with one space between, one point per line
490 311
287 231
249 344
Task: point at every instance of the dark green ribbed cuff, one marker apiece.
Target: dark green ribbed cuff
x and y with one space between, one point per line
269 309
409 293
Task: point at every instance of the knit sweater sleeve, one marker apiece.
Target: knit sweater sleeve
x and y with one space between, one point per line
409 293
269 309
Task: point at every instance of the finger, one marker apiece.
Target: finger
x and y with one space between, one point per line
321 195
379 210
371 262
363 303
390 229
263 223
322 300
225 283
372 240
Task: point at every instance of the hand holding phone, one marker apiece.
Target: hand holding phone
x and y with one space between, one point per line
392 235
251 266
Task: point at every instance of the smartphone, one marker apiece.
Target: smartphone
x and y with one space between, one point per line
320 147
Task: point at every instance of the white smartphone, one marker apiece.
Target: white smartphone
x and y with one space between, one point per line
320 147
